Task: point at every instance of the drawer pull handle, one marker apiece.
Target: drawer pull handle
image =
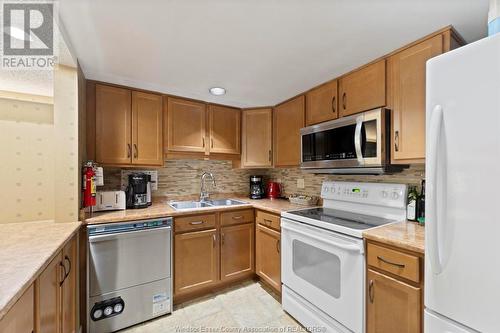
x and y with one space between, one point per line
370 291
239 217
268 221
196 222
390 262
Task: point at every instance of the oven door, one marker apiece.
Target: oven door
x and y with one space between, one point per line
349 142
327 269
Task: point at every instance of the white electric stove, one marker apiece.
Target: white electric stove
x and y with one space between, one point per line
322 254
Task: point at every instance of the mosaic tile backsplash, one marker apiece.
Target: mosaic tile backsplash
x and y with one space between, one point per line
182 178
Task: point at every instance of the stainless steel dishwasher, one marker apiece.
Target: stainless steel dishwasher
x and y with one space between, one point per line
129 273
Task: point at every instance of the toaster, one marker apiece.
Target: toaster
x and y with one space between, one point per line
110 200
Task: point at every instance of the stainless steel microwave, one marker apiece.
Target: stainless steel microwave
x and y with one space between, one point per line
357 144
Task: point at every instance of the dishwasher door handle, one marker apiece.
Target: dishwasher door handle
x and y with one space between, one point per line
117 235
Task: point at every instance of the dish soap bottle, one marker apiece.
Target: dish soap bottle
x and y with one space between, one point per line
421 205
411 206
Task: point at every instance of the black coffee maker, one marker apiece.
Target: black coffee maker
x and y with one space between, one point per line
257 187
137 190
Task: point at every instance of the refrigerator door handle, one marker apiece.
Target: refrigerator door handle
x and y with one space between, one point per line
432 207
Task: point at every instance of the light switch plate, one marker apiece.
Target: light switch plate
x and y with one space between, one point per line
300 183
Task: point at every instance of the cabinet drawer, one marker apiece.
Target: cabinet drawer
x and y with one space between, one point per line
405 265
194 222
236 217
268 220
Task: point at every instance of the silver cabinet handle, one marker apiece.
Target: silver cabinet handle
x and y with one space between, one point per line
196 222
270 155
222 238
214 239
239 217
212 143
136 151
370 291
129 150
396 141
203 141
390 262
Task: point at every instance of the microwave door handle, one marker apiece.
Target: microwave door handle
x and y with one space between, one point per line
357 140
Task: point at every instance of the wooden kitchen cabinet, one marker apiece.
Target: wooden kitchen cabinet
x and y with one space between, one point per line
322 103
257 137
267 255
363 89
128 126
113 125
237 251
224 129
48 297
394 289
186 126
20 318
147 129
288 119
393 306
69 287
196 264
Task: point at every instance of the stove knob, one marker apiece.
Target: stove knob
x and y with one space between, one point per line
384 194
118 307
97 314
325 189
108 311
395 195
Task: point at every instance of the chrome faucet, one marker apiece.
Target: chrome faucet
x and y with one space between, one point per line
204 193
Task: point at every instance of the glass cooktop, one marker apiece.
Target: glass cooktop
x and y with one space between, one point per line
342 218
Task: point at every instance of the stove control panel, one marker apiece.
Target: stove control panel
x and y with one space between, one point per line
384 194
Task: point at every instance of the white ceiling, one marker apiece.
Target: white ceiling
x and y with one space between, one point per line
261 51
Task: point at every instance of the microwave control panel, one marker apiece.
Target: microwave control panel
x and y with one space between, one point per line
383 194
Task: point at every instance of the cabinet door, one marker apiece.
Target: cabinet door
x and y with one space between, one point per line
237 248
196 260
407 82
48 297
20 318
113 125
363 90
268 257
186 125
257 137
288 120
392 306
321 103
147 133
69 287
225 125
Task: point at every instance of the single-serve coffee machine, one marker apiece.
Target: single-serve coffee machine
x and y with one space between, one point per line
138 190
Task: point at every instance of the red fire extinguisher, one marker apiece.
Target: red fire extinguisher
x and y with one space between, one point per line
89 190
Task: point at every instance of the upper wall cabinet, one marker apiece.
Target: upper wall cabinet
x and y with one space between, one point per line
322 103
363 89
224 129
128 127
406 75
113 125
257 136
186 126
288 120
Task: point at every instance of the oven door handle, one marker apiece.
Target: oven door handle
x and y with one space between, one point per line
346 247
357 140
117 235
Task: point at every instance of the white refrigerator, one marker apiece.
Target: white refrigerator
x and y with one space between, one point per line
462 233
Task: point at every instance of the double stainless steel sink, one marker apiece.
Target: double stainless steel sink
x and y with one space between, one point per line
185 205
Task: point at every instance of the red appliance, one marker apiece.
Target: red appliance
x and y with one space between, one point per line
273 190
88 188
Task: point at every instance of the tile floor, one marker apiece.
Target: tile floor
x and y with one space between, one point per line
246 307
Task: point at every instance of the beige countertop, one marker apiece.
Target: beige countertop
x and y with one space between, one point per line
160 208
406 235
26 248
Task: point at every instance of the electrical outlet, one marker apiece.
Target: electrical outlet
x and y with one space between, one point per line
300 183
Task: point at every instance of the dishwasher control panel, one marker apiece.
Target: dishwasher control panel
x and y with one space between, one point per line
128 226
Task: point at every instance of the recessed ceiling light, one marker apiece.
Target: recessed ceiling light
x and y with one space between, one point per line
217 91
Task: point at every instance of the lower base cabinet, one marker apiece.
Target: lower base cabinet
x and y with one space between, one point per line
20 318
196 264
237 248
268 257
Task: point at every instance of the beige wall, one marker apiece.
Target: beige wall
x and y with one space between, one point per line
182 178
